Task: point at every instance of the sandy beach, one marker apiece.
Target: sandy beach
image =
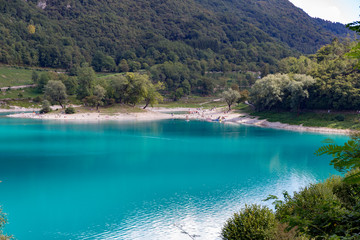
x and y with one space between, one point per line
214 115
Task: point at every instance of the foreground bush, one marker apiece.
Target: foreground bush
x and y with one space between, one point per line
328 210
253 222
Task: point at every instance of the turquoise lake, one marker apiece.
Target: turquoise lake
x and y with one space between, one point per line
63 180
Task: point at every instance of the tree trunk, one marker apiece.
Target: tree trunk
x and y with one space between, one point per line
147 104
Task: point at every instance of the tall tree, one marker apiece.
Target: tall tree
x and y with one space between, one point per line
55 91
153 96
230 96
86 77
99 93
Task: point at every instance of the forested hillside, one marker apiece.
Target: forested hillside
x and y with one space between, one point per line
212 35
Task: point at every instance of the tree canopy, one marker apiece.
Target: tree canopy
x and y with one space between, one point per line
55 91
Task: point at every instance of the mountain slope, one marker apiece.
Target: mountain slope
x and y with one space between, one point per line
244 33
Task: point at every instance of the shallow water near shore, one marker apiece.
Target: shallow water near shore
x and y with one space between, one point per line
145 180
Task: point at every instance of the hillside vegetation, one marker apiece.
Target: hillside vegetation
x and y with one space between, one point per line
206 35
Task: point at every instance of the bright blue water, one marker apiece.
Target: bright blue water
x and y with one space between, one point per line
136 180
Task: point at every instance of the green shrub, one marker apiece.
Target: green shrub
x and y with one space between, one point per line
45 107
283 234
70 110
340 117
253 222
37 99
324 210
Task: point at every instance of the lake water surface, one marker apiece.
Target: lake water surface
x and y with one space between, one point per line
144 180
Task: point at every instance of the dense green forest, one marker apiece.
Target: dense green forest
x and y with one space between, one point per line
203 35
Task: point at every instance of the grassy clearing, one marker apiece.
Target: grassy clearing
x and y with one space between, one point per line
12 76
22 103
314 119
19 93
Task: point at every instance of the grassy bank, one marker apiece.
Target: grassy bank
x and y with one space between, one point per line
15 76
338 120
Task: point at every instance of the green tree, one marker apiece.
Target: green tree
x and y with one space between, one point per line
35 77
138 87
298 89
282 91
230 96
45 107
153 96
71 83
178 94
101 62
86 77
55 91
99 93
123 66
118 88
43 80
268 91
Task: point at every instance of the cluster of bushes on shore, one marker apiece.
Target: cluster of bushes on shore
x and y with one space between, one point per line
128 88
325 80
326 210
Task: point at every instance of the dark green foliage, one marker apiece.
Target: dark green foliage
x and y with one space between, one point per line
102 63
70 82
38 99
253 223
70 110
55 91
43 80
251 34
35 77
123 66
336 76
340 117
86 77
323 210
45 107
345 158
90 101
132 88
179 93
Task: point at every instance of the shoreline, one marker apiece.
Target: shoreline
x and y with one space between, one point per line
154 114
